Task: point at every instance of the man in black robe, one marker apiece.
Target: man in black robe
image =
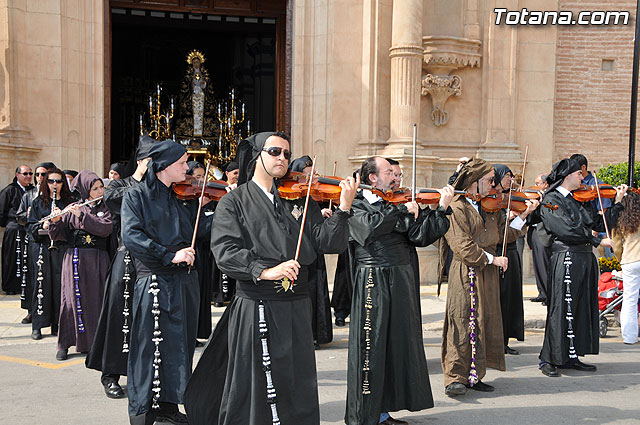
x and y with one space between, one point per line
13 244
110 350
540 253
259 366
572 293
387 368
157 229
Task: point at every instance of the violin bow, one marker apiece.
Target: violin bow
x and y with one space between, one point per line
413 164
506 228
524 167
335 164
306 205
604 218
200 202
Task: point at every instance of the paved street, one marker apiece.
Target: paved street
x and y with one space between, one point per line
37 389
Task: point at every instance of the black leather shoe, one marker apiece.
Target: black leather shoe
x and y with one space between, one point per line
549 370
10 293
113 390
27 319
481 386
578 365
455 389
62 355
391 421
217 304
340 322
36 334
538 299
509 350
54 330
172 418
199 343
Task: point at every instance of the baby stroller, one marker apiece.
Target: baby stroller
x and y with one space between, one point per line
609 297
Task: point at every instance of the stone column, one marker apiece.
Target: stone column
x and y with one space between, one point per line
406 54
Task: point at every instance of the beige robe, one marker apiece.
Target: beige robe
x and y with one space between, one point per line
469 236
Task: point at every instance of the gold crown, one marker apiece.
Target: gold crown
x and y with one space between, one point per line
194 54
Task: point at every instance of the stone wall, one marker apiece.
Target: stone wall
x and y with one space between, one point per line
593 86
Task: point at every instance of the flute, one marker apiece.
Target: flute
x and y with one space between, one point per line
63 212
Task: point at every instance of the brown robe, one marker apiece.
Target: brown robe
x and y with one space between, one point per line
468 236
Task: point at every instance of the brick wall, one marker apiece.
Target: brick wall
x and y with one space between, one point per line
592 105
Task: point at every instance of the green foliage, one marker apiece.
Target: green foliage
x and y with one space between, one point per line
616 174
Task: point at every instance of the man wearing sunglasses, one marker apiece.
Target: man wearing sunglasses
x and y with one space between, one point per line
260 366
13 241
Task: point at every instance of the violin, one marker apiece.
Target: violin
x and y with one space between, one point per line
295 185
496 201
588 193
423 196
192 189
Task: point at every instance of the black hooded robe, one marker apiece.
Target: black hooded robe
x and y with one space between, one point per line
13 241
572 287
387 367
110 349
155 225
47 268
229 384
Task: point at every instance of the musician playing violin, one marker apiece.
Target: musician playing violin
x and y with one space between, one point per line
572 323
385 330
473 237
259 366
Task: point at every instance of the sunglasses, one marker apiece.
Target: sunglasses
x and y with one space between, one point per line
52 181
276 151
40 174
26 174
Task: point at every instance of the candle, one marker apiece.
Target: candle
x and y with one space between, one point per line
158 89
233 94
172 103
243 110
248 127
219 110
150 102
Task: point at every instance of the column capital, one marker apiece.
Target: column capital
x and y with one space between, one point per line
405 50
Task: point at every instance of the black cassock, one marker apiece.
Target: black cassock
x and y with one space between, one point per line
267 321
343 284
110 349
13 241
205 266
31 248
572 286
320 307
155 225
389 373
47 268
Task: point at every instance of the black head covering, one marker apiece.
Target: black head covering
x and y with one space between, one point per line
192 166
82 183
301 163
47 165
144 147
164 154
501 171
471 172
231 166
118 167
72 173
560 170
248 152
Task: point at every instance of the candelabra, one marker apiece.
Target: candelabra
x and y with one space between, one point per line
160 128
231 116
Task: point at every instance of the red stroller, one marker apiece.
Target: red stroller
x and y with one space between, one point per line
609 297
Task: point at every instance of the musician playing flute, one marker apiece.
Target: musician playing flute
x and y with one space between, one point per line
157 229
387 368
47 263
259 367
86 227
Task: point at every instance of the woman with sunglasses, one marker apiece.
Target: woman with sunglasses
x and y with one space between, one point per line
85 264
48 257
32 248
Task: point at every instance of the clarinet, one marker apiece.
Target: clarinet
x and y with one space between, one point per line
52 247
